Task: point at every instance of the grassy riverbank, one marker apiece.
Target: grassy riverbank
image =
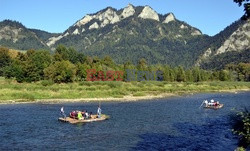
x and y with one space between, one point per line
27 92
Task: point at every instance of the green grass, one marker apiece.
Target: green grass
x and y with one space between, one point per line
139 94
11 90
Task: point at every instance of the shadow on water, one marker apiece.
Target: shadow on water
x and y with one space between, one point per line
212 136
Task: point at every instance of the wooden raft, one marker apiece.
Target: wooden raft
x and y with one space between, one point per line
75 121
214 107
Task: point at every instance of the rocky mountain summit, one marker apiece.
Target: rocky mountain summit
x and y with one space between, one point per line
111 16
235 39
238 41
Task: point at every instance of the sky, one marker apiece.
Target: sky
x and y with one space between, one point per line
210 16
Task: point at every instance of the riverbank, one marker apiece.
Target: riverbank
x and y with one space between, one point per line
123 99
13 92
129 98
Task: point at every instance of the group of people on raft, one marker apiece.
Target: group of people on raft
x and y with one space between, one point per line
81 115
211 103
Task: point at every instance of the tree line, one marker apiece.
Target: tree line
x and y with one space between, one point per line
67 65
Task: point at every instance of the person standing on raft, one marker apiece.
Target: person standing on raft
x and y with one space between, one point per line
99 112
62 112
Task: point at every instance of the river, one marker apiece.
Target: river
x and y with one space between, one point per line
175 123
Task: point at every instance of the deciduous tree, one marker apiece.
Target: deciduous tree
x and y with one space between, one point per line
61 71
246 7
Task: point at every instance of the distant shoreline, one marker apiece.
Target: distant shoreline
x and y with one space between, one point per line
128 98
12 92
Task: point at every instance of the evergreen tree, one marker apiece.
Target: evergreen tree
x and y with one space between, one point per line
204 75
172 75
180 76
215 76
189 76
246 7
196 74
166 73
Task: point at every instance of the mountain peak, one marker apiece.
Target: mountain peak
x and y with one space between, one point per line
108 17
12 23
130 5
170 17
128 11
149 13
84 20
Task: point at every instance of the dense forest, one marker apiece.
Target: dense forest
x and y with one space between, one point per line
68 65
222 60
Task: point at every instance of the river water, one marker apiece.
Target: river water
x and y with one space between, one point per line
175 123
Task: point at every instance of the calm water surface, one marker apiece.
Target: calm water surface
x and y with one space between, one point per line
163 124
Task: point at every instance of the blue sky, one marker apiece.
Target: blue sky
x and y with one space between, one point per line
210 16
